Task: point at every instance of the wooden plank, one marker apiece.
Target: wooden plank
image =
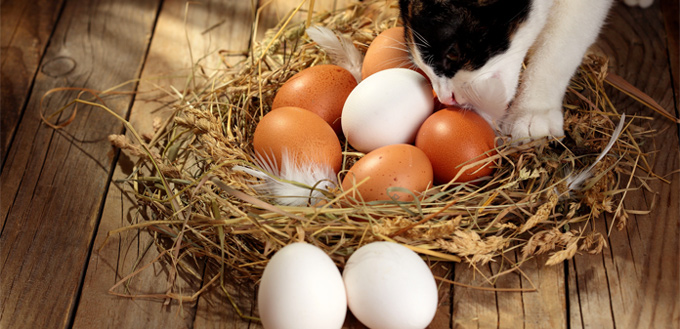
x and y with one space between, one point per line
474 308
671 16
184 34
574 314
546 307
592 289
510 302
634 283
53 182
120 256
510 306
442 319
26 27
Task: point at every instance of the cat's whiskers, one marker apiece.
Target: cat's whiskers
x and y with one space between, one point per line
399 62
419 37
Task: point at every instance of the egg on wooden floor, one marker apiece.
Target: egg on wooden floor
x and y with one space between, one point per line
301 288
390 287
321 89
398 165
453 137
386 108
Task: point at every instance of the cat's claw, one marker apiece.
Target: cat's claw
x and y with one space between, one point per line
525 126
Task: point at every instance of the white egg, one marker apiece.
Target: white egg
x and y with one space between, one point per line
390 287
301 288
386 108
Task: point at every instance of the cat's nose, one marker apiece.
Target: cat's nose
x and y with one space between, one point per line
455 101
449 100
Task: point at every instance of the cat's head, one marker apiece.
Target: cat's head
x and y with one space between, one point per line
469 48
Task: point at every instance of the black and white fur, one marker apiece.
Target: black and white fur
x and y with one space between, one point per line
473 51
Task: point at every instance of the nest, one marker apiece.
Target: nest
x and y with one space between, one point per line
199 207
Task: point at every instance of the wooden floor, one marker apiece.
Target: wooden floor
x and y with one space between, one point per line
58 202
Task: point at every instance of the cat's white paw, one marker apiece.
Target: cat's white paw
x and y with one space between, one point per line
524 126
641 3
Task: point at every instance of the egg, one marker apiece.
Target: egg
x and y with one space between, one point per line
301 288
390 287
321 89
398 165
388 50
295 134
386 108
453 136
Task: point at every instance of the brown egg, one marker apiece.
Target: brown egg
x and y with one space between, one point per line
397 165
388 50
453 136
302 134
321 89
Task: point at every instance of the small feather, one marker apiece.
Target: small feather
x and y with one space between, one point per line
340 49
576 182
294 183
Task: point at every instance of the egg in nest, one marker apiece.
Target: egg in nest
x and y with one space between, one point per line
388 50
321 89
297 156
394 172
452 138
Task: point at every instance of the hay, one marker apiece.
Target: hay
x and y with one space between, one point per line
200 208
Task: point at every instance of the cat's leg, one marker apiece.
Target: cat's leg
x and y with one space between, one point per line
573 25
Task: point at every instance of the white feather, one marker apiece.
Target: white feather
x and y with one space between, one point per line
340 49
575 182
295 183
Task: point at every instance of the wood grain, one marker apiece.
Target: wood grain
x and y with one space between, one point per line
509 304
670 9
546 307
26 27
531 298
634 283
473 308
53 182
442 318
184 34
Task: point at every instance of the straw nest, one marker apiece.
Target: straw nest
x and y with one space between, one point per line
201 208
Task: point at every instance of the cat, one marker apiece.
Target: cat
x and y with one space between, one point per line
473 51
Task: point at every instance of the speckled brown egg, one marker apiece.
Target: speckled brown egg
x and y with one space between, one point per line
454 137
388 50
300 134
397 165
321 89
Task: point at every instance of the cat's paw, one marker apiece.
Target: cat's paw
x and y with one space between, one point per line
524 126
641 3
